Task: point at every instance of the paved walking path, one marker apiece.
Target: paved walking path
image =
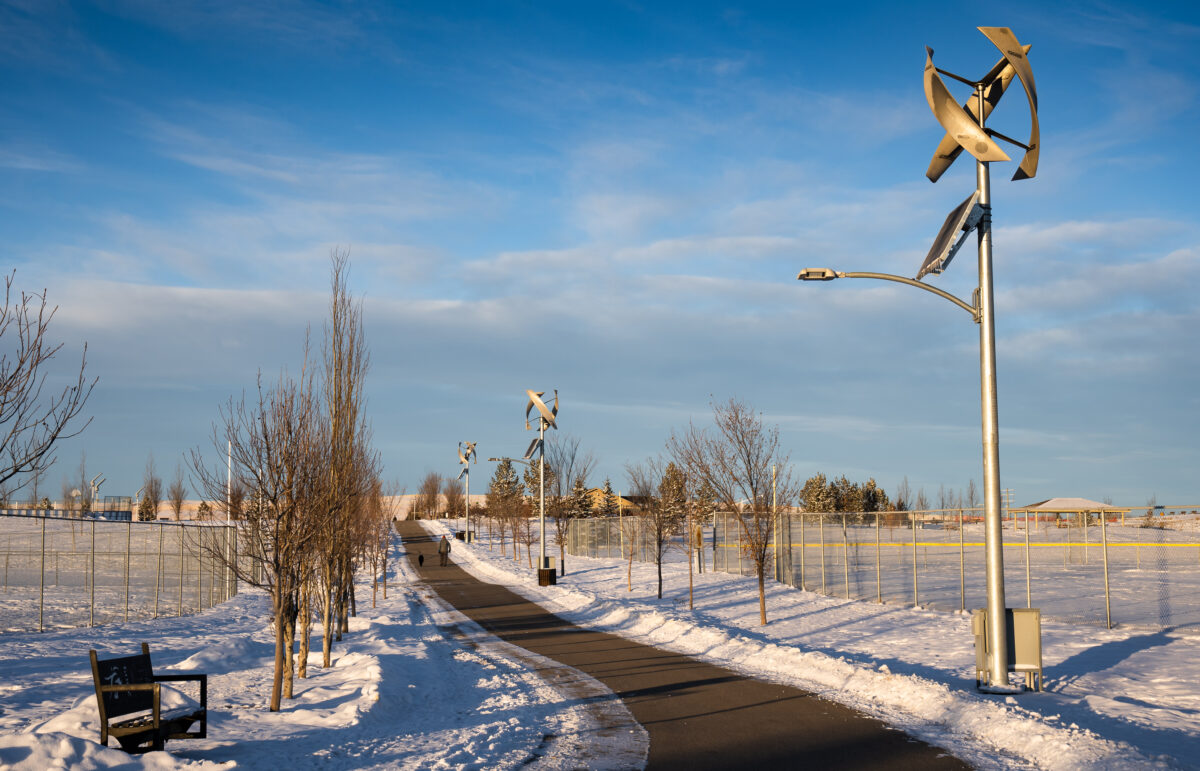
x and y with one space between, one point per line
698 716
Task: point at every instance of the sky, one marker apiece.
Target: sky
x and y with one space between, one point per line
612 200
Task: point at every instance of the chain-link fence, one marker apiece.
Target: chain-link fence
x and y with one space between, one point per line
64 572
611 537
1080 569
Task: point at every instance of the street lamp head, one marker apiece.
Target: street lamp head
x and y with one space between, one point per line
817 274
495 460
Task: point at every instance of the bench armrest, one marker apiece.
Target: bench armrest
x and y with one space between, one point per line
155 709
128 687
189 677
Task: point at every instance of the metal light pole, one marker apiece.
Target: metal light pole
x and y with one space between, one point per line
465 459
546 418
965 130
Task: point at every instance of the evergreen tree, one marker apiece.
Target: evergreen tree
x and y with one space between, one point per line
873 497
608 502
504 497
817 496
580 504
706 502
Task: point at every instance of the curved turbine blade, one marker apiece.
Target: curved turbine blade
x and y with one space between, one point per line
1004 39
997 80
466 458
955 120
547 414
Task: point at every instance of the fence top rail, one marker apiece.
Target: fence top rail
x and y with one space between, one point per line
59 515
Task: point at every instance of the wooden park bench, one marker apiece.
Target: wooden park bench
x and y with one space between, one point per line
127 694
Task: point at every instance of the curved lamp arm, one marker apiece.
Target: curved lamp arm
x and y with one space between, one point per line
511 460
827 274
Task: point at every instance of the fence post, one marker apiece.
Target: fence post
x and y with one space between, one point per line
962 565
1107 604
128 537
822 521
803 555
42 578
199 570
92 599
1028 586
845 557
158 570
180 526
234 563
878 577
1086 521
916 595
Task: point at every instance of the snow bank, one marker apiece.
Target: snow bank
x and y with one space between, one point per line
411 686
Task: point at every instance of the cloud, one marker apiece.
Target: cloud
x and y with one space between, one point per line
26 158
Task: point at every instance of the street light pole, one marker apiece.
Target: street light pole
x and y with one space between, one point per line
990 425
542 491
546 418
465 459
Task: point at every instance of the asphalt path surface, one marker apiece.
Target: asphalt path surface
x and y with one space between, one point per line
698 716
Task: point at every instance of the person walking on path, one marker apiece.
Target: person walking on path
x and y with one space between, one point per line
444 551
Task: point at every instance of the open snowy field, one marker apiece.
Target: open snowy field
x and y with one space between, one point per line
1121 698
414 685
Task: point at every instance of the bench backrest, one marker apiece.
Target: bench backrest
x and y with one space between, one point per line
125 670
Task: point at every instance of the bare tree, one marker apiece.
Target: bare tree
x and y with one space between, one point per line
68 496
236 502
533 485
277 451
152 490
972 497
84 486
452 497
429 495
177 492
736 460
351 463
661 489
569 462
31 424
35 487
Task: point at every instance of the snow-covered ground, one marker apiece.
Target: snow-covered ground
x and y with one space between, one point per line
414 685
1122 698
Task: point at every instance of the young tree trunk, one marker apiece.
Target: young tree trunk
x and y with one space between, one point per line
384 569
289 642
629 566
280 651
762 593
326 624
562 559
305 628
687 533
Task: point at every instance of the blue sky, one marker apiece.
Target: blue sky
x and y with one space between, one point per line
613 200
